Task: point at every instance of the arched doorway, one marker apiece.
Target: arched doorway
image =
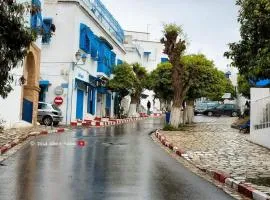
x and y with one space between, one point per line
30 89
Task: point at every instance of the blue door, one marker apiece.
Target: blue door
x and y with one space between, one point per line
27 111
79 107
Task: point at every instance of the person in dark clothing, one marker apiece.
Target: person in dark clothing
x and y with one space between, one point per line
148 107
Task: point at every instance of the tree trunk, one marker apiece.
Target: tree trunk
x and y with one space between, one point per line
190 111
132 112
185 115
176 117
162 105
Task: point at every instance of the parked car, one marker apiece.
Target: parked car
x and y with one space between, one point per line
200 108
49 114
223 109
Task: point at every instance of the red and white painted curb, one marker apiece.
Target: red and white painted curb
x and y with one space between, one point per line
217 175
102 122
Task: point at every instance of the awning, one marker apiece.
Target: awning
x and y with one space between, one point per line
263 83
44 83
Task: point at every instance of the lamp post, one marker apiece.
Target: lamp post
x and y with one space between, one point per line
78 56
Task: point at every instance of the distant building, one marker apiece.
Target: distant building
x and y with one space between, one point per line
149 54
22 103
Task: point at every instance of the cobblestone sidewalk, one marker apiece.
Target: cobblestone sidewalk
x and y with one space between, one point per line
212 144
12 134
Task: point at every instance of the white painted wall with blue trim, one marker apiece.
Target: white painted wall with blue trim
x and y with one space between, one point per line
58 55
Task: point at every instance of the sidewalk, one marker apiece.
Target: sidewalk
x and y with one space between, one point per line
211 144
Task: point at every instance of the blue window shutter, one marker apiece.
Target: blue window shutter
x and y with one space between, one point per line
46 36
113 57
36 18
94 47
85 38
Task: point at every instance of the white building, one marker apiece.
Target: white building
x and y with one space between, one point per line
21 104
260 116
86 28
149 54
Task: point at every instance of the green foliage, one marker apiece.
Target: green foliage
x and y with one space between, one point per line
15 38
251 55
169 127
243 86
129 79
160 81
172 28
201 78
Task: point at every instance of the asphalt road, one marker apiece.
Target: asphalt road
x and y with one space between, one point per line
116 163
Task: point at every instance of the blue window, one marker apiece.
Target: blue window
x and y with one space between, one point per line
94 47
85 34
36 18
46 36
163 60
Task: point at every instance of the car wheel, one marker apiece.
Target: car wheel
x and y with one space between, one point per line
210 114
55 123
47 121
234 114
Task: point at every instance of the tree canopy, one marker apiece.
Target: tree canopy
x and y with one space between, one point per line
15 38
129 79
203 78
243 86
160 81
251 55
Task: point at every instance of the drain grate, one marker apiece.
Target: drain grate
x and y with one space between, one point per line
114 144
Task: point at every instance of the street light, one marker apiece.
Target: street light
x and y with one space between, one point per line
84 57
78 55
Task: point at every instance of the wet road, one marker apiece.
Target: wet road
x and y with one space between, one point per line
117 163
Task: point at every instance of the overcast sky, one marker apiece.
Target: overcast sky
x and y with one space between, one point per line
209 24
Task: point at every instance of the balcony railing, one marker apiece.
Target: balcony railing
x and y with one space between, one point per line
106 18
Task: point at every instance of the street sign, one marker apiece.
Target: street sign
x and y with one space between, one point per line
58 101
58 90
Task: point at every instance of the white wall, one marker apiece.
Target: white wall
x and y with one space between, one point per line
14 99
136 35
10 107
260 97
59 55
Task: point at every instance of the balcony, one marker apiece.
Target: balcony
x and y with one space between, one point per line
106 19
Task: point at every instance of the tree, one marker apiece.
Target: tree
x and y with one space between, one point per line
15 39
206 81
251 55
160 81
243 86
129 79
175 46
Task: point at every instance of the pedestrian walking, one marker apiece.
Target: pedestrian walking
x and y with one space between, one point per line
148 107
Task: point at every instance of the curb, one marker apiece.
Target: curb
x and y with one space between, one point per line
100 122
217 175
